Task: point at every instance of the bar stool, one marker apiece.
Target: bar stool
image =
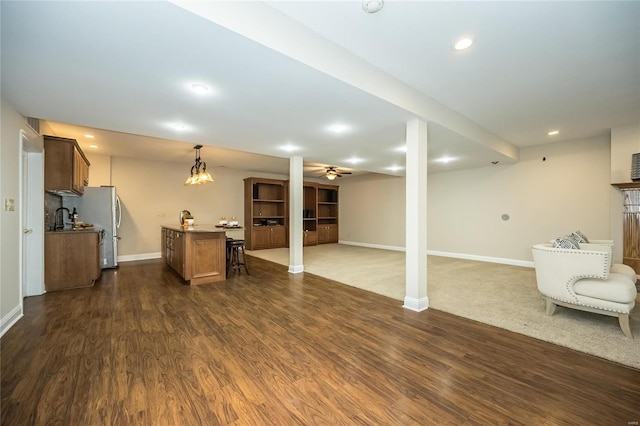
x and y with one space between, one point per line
234 247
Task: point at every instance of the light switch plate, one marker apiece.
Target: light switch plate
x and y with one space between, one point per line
9 204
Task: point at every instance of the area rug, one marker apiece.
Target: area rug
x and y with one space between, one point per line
500 295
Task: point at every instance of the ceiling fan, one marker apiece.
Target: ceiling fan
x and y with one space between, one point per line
333 172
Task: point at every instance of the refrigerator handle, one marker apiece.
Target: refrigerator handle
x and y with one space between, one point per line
119 210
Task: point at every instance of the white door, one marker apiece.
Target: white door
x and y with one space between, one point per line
32 214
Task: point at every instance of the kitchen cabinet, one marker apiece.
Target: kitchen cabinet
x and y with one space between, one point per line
71 259
196 254
66 168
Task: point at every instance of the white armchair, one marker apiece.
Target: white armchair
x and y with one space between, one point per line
582 279
616 268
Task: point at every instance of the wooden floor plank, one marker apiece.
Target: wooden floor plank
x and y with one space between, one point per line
141 347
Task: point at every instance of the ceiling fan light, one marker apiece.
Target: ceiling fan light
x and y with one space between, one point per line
331 176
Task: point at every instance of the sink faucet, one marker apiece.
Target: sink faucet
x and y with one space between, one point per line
61 225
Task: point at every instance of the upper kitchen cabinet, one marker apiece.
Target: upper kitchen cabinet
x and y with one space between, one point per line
66 169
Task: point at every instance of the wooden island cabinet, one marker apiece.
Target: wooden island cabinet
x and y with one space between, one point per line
196 253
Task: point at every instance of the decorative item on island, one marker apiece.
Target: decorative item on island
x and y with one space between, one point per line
186 219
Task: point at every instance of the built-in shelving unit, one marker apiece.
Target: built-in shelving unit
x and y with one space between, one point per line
631 224
327 214
266 213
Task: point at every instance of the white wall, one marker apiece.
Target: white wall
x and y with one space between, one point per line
10 235
568 191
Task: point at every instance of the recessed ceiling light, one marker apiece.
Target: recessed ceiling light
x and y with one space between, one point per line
178 126
446 159
290 148
93 146
394 168
463 44
338 128
354 160
372 6
199 88
553 132
89 136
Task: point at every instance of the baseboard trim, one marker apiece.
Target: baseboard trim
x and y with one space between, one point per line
417 305
142 256
504 261
296 269
376 246
10 319
513 262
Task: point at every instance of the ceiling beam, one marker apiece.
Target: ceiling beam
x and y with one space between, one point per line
271 28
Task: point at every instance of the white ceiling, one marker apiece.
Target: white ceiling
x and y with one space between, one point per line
126 68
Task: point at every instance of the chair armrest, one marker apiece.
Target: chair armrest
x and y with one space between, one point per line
609 242
558 269
598 247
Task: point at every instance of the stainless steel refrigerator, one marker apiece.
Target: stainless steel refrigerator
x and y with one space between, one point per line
100 206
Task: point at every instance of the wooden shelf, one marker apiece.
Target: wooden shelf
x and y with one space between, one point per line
627 185
265 200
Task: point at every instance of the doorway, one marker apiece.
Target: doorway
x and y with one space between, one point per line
31 214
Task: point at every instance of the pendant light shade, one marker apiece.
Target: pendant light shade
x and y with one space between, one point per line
199 173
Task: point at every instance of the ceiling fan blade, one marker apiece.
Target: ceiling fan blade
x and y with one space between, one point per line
346 173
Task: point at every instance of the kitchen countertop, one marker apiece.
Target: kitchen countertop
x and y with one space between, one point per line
74 231
199 228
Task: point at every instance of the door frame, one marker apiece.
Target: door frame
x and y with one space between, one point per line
31 214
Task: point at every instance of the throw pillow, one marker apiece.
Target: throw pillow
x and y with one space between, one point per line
580 237
566 243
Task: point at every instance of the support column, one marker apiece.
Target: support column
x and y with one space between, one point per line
295 215
416 217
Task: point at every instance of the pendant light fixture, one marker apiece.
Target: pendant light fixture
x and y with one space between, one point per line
198 176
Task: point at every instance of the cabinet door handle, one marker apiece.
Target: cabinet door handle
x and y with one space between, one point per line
27 231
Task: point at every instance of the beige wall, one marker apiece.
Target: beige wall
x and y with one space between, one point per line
625 141
153 193
99 170
10 233
372 210
544 199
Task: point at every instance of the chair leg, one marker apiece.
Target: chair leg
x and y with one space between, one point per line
550 307
244 260
623 319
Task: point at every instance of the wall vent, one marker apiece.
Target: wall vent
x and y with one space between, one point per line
34 123
635 167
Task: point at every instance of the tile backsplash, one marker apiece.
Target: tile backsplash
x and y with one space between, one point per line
51 203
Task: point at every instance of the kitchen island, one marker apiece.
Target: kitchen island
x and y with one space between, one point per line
196 253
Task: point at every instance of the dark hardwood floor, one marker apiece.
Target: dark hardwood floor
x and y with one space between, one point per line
272 348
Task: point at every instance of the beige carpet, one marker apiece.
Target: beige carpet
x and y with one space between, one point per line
500 295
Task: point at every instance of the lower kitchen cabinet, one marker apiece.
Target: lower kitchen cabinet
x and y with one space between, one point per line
71 259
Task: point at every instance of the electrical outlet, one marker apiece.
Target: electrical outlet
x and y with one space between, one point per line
9 205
